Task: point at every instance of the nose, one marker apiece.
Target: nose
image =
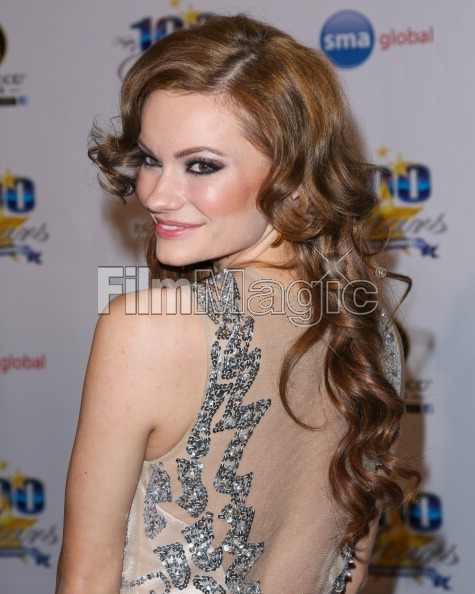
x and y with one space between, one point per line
162 193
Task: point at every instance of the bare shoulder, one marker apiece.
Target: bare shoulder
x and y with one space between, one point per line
134 384
160 317
137 305
166 354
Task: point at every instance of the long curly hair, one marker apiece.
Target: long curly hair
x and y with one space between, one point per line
292 108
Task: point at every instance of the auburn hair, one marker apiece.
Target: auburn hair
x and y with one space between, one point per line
292 108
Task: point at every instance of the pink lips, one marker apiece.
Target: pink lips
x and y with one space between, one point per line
181 228
177 223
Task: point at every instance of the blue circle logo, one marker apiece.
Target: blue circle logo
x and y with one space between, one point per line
347 38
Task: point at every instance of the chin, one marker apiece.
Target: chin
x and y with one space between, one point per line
176 259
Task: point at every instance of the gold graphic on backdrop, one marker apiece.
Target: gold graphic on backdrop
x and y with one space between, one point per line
387 215
382 152
396 544
190 16
12 526
7 222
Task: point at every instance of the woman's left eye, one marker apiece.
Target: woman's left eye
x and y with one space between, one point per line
205 166
210 166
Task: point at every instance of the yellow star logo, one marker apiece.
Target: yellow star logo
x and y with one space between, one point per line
5 504
11 529
8 179
400 166
174 3
385 195
3 464
190 16
17 480
8 223
382 152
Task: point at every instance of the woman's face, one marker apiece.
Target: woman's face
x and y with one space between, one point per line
214 185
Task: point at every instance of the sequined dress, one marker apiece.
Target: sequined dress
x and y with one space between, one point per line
242 504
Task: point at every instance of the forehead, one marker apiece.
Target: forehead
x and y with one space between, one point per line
183 117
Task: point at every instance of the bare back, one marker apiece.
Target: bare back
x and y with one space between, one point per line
242 503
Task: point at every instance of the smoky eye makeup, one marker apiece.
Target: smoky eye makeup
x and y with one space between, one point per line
205 165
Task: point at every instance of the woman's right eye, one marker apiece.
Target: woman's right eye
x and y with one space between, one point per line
146 163
146 160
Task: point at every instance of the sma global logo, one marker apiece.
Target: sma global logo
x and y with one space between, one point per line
347 38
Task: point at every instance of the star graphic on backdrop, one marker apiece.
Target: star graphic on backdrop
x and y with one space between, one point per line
190 16
396 543
385 196
174 3
8 179
17 480
8 223
382 151
400 166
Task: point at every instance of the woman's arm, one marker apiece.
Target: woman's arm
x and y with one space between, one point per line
125 381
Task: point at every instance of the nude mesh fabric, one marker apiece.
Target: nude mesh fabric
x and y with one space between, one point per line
295 516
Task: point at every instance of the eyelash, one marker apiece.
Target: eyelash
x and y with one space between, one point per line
210 164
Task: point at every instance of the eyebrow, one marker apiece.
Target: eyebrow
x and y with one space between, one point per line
184 152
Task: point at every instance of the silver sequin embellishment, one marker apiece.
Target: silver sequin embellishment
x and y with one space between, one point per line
147 577
158 489
174 558
195 497
199 537
392 365
339 585
391 354
208 585
233 370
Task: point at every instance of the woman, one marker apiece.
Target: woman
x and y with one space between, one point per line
236 447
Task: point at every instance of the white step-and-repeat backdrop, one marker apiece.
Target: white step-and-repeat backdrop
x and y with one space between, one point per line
408 69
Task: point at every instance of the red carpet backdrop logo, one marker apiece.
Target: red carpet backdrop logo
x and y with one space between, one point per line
148 30
410 544
11 83
3 45
17 202
13 363
348 38
408 36
22 503
404 189
417 393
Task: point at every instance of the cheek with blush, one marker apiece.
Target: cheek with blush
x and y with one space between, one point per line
236 200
